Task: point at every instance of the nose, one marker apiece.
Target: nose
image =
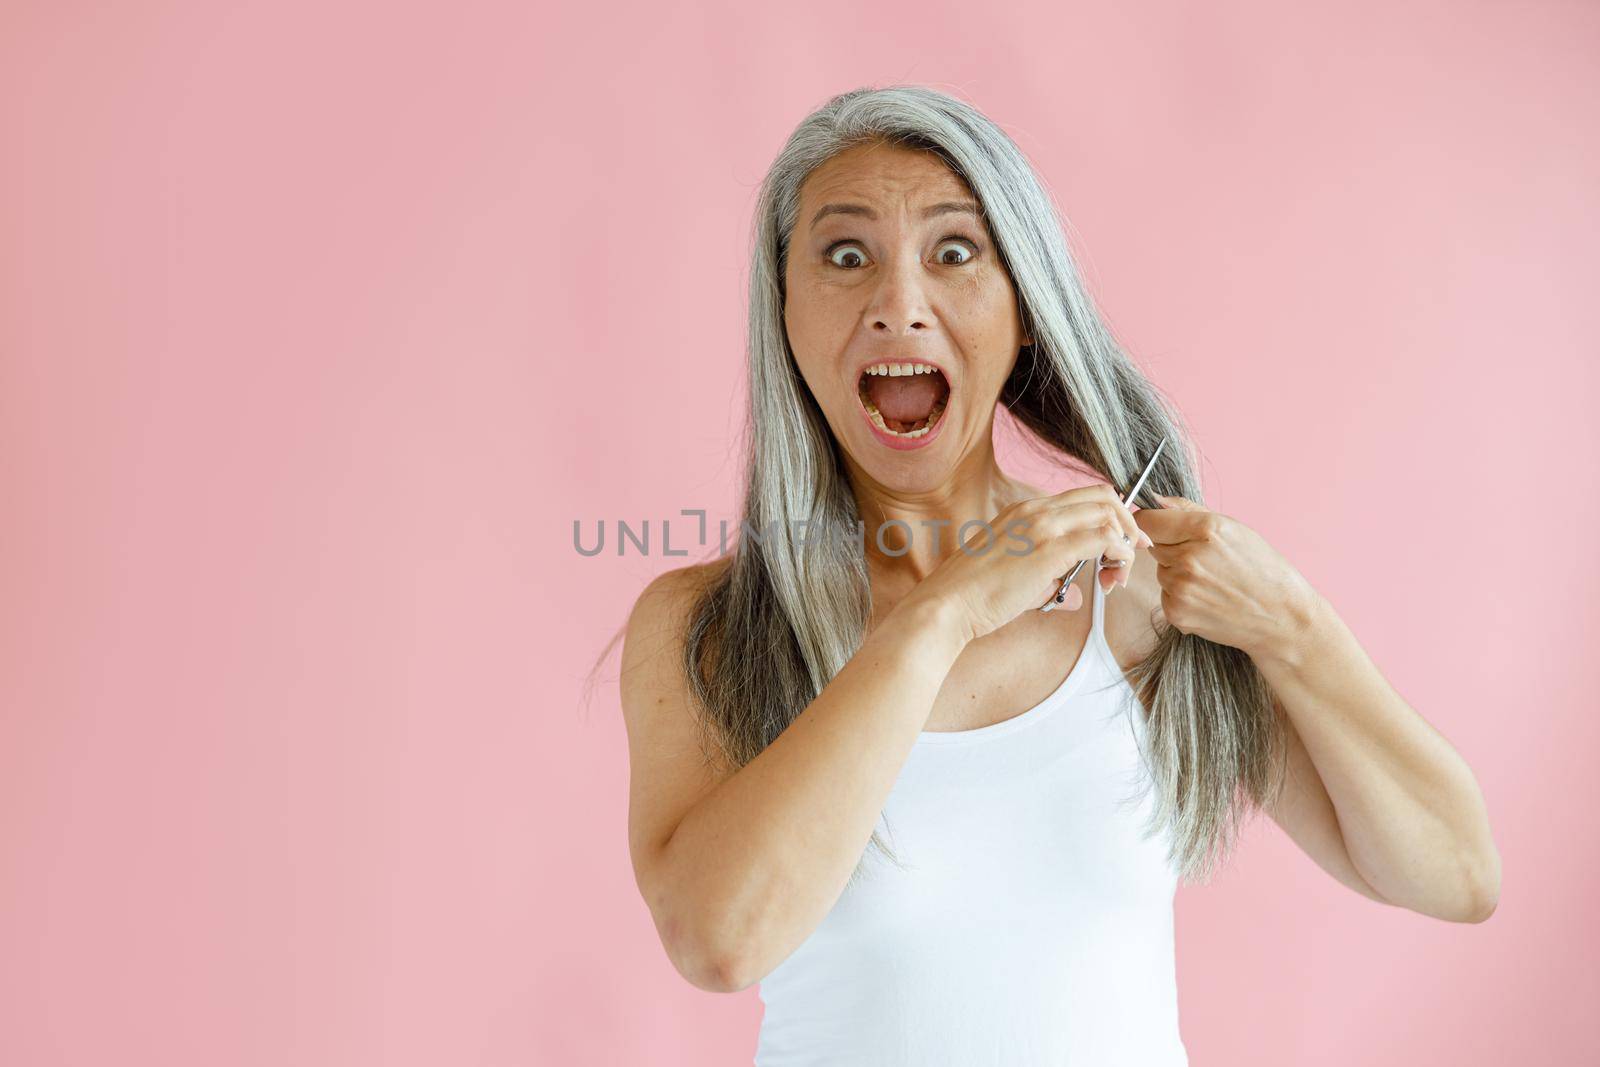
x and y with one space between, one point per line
899 305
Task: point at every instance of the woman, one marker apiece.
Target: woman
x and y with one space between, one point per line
1043 777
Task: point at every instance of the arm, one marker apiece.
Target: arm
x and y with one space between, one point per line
1304 809
760 856
1305 812
1404 803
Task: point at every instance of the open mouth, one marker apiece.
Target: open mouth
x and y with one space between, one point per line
904 399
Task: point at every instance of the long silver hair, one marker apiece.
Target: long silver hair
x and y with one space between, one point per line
786 614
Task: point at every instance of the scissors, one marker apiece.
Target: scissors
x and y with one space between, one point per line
1066 583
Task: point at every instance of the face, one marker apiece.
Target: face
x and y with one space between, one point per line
890 267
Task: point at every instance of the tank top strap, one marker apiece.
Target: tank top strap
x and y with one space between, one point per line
1098 618
1098 644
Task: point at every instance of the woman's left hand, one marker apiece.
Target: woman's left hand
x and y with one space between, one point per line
1221 580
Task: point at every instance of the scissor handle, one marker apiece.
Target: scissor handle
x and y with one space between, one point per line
1066 582
1061 591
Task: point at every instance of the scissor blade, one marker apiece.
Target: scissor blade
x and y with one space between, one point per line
1148 467
1061 592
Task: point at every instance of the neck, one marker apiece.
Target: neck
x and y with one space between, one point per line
976 490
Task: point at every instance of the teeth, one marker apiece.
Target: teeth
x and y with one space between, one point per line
899 370
877 420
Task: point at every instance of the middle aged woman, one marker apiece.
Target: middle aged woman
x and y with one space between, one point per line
785 701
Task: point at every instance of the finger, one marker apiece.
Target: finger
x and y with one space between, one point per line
1143 540
1102 494
1121 570
1103 526
1103 541
1130 526
1072 597
1136 536
1169 525
1073 600
1116 565
1118 546
1163 554
1115 574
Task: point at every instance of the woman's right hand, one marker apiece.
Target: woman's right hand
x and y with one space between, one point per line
1030 546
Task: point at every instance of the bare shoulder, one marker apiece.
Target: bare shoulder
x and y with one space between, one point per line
669 596
653 647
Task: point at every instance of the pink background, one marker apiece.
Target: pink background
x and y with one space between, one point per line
322 323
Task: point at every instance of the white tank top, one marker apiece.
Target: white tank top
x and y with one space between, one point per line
1033 925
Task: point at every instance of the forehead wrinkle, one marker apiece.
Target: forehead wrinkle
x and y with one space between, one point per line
970 208
850 183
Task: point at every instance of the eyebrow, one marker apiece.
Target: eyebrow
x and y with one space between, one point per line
944 207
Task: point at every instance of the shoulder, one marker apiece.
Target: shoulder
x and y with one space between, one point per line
1133 613
660 615
666 601
675 588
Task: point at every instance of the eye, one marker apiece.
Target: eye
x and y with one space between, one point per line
849 249
956 242
848 254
